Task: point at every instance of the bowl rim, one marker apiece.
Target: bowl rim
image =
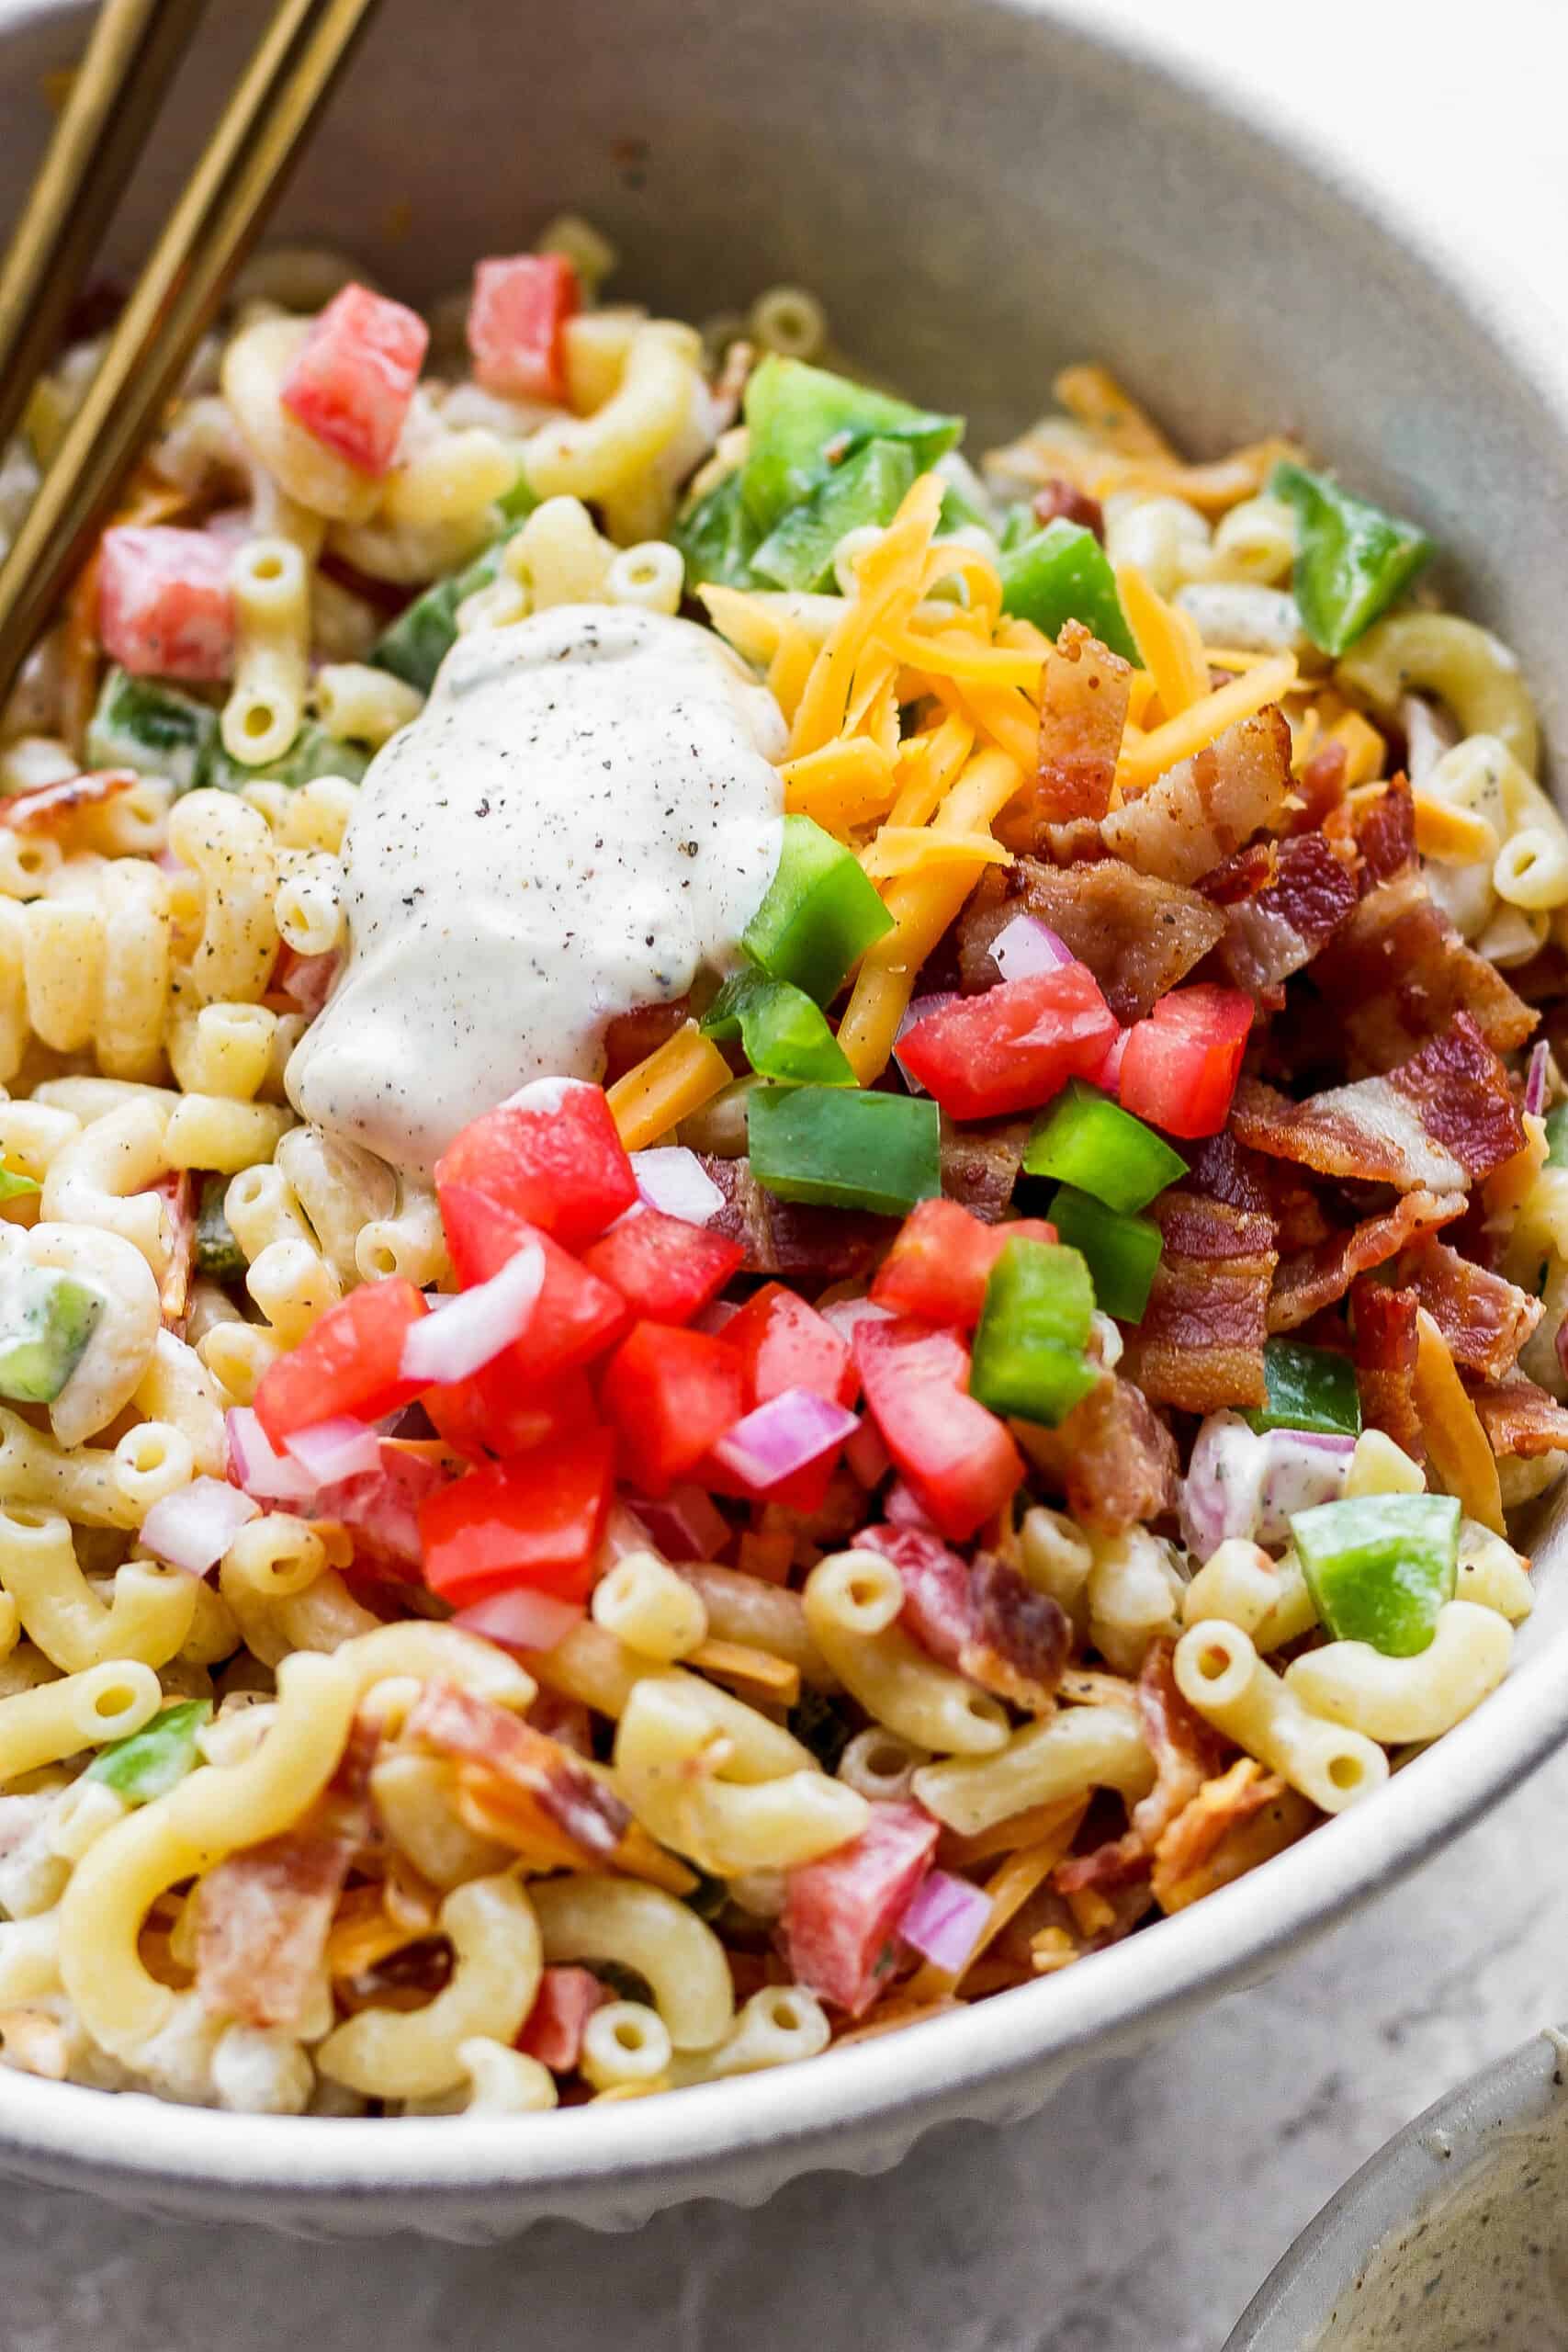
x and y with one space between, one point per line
939 2070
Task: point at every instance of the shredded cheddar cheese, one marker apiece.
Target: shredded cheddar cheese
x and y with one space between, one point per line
1452 1426
1144 757
685 1072
1168 643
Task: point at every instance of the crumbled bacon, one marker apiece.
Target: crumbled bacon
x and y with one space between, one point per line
552 2032
1083 709
1063 501
1232 1824
1312 1278
1440 1120
839 1913
1199 1345
1185 1749
1484 1319
1113 1457
1521 1421
983 1617
630 1037
781 1238
305 980
1119 1863
569 1815
1396 973
262 1922
1320 788
177 1191
1207 807
1385 1350
1278 928
980 1165
1382 827
48 805
1138 934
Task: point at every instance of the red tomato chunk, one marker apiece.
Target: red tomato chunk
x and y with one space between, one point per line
784 1343
164 605
575 1316
551 1155
348 1363
494 1413
1013 1048
1180 1066
840 1912
521 305
669 1393
535 1522
664 1268
353 378
937 1267
958 1456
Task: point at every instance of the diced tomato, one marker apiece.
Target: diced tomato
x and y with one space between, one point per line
565 2001
165 609
536 1523
1015 1047
575 1316
840 1912
938 1611
783 1343
350 1362
937 1268
551 1155
521 305
958 1456
352 380
493 1412
664 1268
1180 1066
670 1394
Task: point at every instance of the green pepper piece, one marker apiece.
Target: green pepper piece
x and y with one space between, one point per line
1030 1345
1309 1388
1019 526
314 752
962 506
1557 1136
717 539
1121 1252
1379 1567
1063 574
865 490
217 1255
142 724
46 1320
11 1183
1352 559
418 641
802 419
780 1028
843 1149
820 914
1086 1140
153 1759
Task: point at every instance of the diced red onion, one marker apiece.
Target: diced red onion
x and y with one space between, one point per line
918 1010
194 1527
684 1524
1109 1074
341 1448
672 1178
1026 945
844 1314
478 1323
254 1465
1535 1080
786 1435
521 1619
943 1919
1300 1468
1241 1483
866 1455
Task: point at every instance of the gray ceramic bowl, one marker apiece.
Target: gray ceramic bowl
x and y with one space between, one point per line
1455 2234
981 190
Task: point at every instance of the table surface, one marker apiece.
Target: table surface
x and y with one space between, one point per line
1142 2209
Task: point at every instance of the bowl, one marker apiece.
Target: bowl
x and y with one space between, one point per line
981 190
1455 2232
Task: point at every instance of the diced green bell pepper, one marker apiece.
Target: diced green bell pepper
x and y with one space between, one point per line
46 1320
965 503
314 752
1086 1140
1121 1252
1019 526
217 1255
1352 559
780 1028
717 539
1381 1567
11 1184
1063 574
840 1149
820 914
1557 1136
1309 1388
155 1758
1030 1346
418 641
803 420
865 490
157 730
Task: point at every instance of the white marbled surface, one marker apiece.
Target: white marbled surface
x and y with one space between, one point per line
1138 2213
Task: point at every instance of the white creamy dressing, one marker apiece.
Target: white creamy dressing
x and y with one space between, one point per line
586 812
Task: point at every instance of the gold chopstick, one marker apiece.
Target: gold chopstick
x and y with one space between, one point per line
283 88
114 94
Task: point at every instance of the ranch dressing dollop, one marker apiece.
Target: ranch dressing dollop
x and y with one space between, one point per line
584 812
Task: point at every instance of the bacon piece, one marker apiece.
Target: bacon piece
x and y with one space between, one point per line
1521 1421
782 1237
1232 1824
1084 689
1113 1457
985 1620
566 1720
980 1165
1186 1750
1121 1862
840 1912
1063 501
630 1037
1206 807
1280 927
1396 973
262 1918
48 804
1484 1319
1138 934
1199 1345
1442 1119
1314 1278
305 980
565 1999
381 1508
571 1817
1385 1352
177 1191
1320 788
1383 826
936 1610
